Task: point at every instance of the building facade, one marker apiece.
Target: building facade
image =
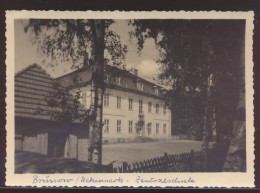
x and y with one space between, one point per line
133 107
38 132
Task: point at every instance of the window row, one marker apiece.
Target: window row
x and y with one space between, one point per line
139 85
137 127
130 105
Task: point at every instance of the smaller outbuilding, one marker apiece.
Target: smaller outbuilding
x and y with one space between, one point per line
39 132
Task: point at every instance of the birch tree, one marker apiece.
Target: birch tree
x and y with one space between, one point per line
73 41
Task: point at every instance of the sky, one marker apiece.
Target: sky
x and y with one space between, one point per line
26 53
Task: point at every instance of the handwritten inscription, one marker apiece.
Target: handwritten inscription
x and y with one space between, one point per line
93 180
118 180
48 180
164 180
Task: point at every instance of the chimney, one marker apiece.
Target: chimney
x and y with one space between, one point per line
136 72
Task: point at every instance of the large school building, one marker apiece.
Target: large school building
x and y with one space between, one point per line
133 107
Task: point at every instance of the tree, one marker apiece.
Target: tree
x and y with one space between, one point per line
183 67
63 106
72 41
236 155
200 62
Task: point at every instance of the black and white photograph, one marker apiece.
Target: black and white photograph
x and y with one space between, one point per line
131 95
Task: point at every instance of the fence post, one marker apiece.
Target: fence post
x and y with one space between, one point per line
205 159
124 166
165 158
192 165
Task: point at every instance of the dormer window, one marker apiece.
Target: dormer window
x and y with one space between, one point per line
156 90
118 80
106 79
140 86
84 99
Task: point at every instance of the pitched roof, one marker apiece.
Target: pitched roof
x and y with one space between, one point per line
32 85
33 66
128 80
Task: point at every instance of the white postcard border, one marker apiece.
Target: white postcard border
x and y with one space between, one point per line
225 179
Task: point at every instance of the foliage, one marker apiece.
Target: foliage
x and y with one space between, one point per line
71 40
199 62
63 106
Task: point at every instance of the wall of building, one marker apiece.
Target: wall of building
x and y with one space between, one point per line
112 113
71 146
76 146
82 145
51 138
125 115
36 143
18 142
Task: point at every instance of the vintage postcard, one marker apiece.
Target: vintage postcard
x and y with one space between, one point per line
133 99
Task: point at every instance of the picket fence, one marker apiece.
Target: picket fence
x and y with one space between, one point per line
192 161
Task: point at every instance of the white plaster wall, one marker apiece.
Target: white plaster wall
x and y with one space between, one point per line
125 115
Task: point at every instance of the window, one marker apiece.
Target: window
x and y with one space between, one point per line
118 102
130 105
157 108
157 128
84 99
118 126
130 126
118 80
164 109
140 106
106 100
149 128
106 78
149 107
106 125
140 86
164 128
156 90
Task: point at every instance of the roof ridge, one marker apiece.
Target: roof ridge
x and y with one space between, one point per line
31 66
72 72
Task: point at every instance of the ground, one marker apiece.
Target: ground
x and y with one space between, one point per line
131 152
26 162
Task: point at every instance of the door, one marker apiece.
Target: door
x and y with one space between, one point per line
56 145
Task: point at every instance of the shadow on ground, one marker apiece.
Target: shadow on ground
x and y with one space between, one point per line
27 162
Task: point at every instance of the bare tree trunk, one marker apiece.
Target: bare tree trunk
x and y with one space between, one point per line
205 140
97 88
236 156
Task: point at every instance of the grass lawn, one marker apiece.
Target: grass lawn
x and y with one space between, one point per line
131 152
